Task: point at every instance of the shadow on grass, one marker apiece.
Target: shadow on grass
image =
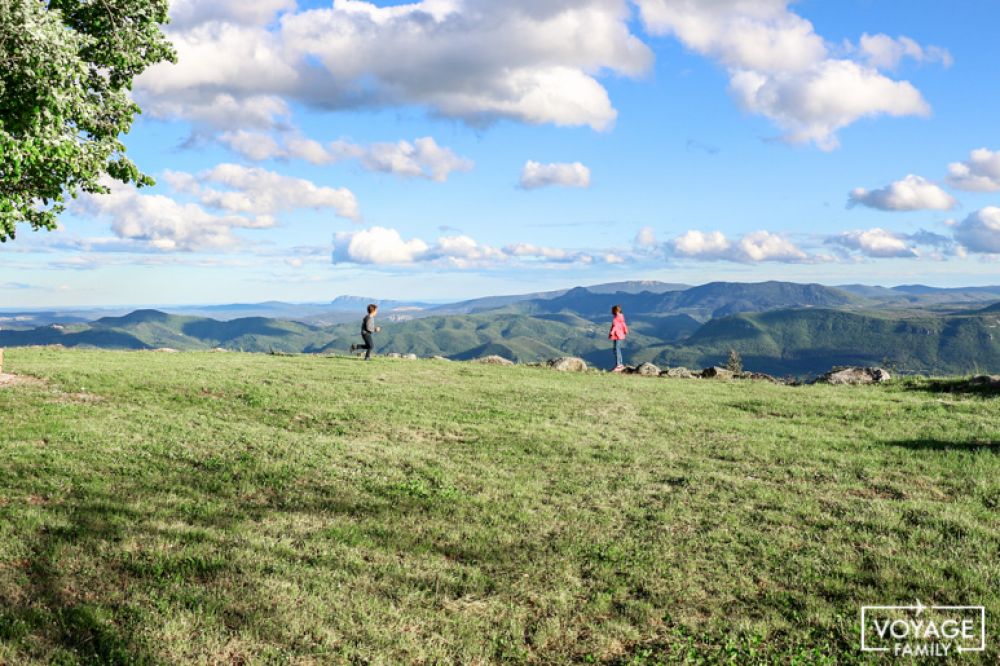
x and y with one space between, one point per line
49 604
973 446
963 386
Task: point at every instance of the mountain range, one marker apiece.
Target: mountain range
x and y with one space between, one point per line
778 327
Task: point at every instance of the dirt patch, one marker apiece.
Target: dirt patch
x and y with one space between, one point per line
7 381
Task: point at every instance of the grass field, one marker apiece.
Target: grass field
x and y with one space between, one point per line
242 509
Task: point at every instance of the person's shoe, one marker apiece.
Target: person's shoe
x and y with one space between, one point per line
618 368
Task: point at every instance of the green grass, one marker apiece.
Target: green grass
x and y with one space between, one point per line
231 508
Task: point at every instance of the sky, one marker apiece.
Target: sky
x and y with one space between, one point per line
448 149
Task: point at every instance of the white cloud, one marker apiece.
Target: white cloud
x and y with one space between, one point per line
780 68
981 173
382 246
646 239
421 158
536 175
911 193
261 192
186 13
452 57
980 231
157 222
377 245
751 248
884 52
875 243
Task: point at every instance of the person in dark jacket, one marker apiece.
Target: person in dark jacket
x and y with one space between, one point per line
368 329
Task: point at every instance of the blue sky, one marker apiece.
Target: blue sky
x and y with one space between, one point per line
544 144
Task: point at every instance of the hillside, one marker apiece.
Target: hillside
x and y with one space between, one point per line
798 342
235 508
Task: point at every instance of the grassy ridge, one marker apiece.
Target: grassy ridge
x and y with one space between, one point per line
231 508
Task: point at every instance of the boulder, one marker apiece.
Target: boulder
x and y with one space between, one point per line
410 357
166 350
678 373
406 357
716 372
645 370
760 377
568 364
989 381
440 358
493 360
855 375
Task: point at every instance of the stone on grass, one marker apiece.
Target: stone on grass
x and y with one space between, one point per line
855 375
678 373
715 372
568 364
645 370
493 360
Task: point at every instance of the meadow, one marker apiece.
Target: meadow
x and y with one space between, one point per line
228 508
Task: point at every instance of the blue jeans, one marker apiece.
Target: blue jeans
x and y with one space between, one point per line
618 344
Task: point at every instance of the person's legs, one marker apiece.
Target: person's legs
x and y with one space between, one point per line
369 345
618 352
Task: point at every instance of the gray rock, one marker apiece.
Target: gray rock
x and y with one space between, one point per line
760 377
855 375
678 373
645 370
985 380
568 364
410 357
440 358
166 350
493 360
716 372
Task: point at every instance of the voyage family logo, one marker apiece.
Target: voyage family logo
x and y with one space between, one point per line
923 631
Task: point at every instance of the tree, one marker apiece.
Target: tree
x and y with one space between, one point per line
735 362
66 68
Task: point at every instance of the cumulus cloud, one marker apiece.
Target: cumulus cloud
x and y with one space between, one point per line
911 193
260 192
780 68
885 52
421 158
980 231
157 222
536 175
751 248
383 246
980 173
875 243
645 239
452 57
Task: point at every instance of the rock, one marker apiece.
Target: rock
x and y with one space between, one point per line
568 364
678 373
493 360
991 381
760 377
219 350
716 372
440 358
166 350
855 376
645 370
410 357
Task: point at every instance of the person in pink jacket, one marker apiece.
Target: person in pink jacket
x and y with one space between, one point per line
617 334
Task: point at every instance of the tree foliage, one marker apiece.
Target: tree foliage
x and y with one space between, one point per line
66 68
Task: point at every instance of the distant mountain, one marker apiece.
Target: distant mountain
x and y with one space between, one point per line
777 327
711 300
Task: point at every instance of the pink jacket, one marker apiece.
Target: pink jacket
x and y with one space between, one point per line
619 329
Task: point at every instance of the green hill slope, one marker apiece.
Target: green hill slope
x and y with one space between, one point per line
808 341
236 508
